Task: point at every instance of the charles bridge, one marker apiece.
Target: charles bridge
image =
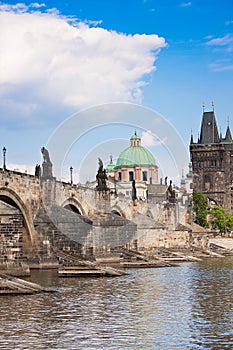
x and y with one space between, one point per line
40 214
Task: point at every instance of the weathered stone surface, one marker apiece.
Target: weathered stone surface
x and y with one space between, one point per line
47 224
11 233
111 231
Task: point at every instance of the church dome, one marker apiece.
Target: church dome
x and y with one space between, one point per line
135 155
110 167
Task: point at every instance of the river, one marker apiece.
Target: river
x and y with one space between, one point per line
184 307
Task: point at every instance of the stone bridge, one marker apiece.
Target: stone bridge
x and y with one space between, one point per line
34 196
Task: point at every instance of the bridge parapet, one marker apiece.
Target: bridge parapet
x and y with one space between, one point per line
17 177
23 189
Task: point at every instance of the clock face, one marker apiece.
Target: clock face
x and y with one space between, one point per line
209 123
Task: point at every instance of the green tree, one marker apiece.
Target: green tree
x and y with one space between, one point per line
218 218
221 219
200 205
229 220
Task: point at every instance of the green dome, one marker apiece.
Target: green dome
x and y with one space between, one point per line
135 136
110 167
135 156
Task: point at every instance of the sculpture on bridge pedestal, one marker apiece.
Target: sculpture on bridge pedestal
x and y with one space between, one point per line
134 192
101 178
46 165
37 171
171 194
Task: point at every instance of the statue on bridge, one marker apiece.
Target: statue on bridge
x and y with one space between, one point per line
101 178
37 171
46 165
45 153
134 192
171 194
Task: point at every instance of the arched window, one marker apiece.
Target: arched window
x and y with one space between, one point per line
131 176
207 182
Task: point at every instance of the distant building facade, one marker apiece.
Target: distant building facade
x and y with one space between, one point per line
212 162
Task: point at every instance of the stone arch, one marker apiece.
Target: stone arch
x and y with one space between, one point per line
72 208
116 210
8 196
73 205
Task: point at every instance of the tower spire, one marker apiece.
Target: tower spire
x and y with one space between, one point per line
203 106
213 105
191 139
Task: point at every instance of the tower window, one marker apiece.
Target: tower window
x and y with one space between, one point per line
207 182
131 176
144 176
119 176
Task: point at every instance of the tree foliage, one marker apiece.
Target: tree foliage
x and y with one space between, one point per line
221 219
200 205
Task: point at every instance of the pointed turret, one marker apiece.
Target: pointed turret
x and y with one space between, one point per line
209 129
228 137
191 139
220 137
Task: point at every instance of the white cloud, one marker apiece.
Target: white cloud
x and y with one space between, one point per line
223 46
149 139
37 5
220 67
186 4
222 41
62 62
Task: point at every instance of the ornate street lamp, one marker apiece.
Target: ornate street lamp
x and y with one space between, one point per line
4 158
71 175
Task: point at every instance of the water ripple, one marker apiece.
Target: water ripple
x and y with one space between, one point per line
186 307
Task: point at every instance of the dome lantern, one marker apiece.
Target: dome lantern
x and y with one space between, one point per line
135 140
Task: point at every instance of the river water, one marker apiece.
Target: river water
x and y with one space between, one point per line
184 307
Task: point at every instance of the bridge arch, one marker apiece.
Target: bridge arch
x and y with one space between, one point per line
116 210
10 197
73 205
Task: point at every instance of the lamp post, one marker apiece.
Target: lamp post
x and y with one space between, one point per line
71 175
4 158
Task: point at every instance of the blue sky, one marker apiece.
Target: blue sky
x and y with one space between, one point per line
59 58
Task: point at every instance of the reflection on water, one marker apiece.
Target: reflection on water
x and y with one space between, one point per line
186 307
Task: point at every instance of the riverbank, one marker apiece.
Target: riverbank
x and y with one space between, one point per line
119 261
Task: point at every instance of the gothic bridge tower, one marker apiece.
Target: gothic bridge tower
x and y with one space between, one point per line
212 162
